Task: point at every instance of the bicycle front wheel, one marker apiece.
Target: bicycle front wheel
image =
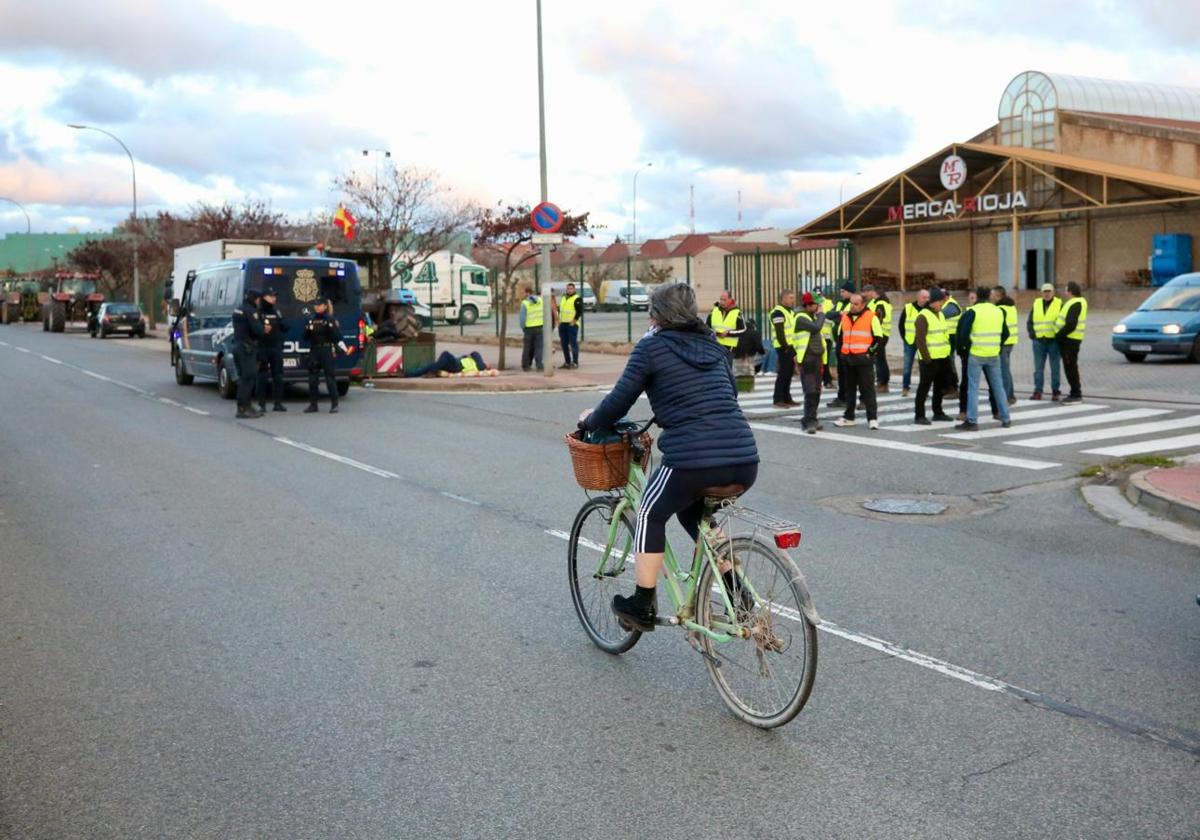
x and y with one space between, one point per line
599 566
766 679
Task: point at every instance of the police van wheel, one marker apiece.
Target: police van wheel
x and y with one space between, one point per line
343 388
182 377
225 386
468 315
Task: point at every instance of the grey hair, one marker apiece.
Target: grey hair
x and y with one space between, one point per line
673 305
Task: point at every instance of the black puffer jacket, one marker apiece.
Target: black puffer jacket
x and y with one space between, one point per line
686 375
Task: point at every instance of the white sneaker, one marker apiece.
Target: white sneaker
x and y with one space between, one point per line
843 422
873 424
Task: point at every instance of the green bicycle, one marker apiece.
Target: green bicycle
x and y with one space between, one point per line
759 642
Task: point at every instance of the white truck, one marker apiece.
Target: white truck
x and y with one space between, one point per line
192 257
452 286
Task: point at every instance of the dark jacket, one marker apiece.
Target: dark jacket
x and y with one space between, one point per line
271 316
688 378
322 331
247 325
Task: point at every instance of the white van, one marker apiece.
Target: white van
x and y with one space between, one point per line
612 295
451 285
584 291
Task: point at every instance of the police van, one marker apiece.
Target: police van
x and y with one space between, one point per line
202 332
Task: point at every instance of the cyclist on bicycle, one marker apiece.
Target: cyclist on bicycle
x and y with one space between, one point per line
705 442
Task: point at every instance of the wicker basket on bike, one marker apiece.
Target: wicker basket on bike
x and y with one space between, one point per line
604 463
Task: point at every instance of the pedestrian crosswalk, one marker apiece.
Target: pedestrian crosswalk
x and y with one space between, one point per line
1105 429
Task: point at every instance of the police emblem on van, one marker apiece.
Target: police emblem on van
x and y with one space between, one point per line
304 289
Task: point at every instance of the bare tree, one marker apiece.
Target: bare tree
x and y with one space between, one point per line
501 236
405 209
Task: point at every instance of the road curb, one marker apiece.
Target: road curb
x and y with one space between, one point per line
1142 493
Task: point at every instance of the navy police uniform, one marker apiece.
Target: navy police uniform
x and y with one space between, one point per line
270 356
324 335
247 333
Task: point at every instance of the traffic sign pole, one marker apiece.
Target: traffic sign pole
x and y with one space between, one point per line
548 313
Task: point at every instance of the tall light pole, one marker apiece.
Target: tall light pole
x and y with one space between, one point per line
635 174
547 314
137 282
377 152
28 232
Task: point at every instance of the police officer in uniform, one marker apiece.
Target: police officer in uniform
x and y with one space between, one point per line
270 352
324 338
247 333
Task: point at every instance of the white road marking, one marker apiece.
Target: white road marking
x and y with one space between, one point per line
50 359
1107 434
333 456
169 401
195 411
940 666
913 449
1161 445
21 349
459 498
95 375
1016 416
1055 425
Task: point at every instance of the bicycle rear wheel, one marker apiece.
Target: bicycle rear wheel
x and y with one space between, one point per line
595 579
764 680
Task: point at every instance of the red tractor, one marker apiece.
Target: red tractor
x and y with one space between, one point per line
75 299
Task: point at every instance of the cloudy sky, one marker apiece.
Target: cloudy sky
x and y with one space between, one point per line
229 99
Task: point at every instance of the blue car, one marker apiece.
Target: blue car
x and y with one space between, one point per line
1167 323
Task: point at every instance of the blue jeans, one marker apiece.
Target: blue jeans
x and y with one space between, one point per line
1043 348
910 353
1006 371
977 368
568 337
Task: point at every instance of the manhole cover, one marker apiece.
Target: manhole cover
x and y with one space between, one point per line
905 507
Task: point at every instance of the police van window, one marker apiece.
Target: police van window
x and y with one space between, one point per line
200 292
334 289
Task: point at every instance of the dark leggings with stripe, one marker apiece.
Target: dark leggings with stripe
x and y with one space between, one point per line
671 492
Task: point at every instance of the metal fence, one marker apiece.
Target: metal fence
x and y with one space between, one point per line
756 279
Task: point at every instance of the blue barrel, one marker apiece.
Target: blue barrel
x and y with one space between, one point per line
1172 257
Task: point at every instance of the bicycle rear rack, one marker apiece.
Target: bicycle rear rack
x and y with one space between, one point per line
728 517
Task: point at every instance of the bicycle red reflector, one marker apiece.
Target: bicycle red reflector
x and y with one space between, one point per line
787 539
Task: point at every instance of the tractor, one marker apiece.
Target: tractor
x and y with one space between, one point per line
19 301
76 299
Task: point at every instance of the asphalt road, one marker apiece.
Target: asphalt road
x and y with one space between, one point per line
212 630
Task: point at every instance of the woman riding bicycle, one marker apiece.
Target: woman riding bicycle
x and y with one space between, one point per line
706 441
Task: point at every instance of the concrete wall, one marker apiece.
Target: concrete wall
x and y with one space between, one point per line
1146 147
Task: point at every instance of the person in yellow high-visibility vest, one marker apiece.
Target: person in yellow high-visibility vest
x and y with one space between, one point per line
727 322
531 317
783 338
878 303
841 307
907 327
826 306
1072 323
568 312
810 358
1011 320
984 329
1042 326
933 357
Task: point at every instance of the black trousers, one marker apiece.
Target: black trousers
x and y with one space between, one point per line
270 370
673 492
843 377
935 373
810 381
1070 362
962 357
860 378
320 359
783 379
531 351
245 358
883 371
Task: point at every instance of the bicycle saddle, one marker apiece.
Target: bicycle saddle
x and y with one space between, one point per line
722 491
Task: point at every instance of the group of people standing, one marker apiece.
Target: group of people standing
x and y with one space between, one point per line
851 336
567 313
258 335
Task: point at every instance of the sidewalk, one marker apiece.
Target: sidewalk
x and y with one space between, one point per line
596 370
1173 493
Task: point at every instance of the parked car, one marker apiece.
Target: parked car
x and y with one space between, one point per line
1168 322
558 288
113 318
612 295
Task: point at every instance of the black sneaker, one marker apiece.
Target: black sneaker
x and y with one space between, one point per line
836 404
632 616
923 421
248 414
967 426
312 408
1007 424
262 408
279 407
942 418
1070 400
333 409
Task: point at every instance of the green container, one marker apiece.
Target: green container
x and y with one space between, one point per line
419 352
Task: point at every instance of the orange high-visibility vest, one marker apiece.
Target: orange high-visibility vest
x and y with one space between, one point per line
857 333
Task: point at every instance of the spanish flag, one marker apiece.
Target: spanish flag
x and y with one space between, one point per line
344 219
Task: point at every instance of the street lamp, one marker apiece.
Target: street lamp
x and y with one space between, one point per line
137 283
842 186
635 174
377 152
28 231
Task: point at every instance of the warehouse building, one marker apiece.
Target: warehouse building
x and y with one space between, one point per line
1075 181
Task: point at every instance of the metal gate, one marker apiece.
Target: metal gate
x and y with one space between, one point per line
757 279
